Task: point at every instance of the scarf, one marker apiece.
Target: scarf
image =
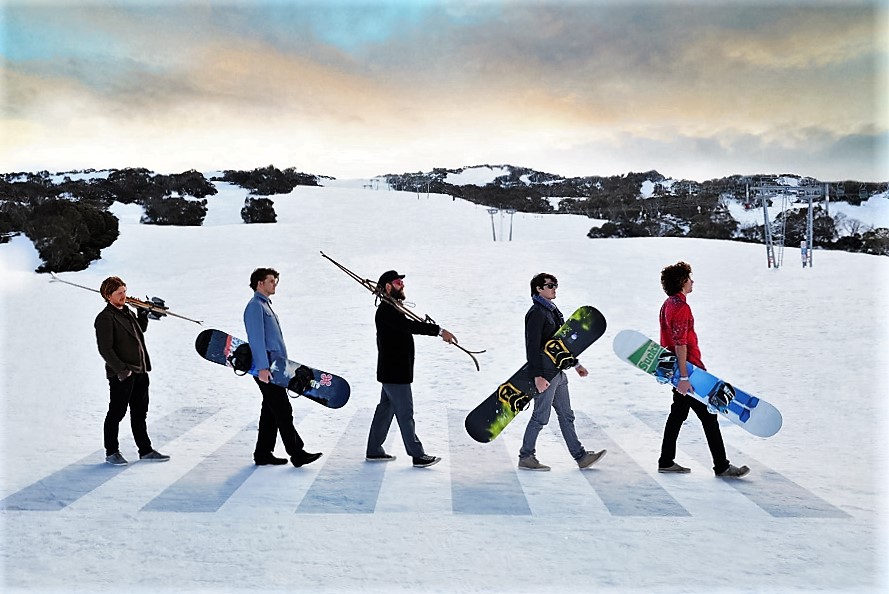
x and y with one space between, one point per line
551 307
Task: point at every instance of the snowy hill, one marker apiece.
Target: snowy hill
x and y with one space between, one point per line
811 516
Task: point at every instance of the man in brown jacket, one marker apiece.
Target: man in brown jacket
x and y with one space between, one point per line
122 346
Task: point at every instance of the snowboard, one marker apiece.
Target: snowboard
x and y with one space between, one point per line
324 388
487 420
745 410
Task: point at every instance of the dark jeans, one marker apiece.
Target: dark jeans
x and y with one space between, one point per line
396 400
276 416
710 422
133 393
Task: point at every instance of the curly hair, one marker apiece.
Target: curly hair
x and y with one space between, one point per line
110 285
674 276
260 275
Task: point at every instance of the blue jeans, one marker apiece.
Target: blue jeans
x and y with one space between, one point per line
396 400
554 397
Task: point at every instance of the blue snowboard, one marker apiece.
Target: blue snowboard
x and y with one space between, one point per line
324 388
745 410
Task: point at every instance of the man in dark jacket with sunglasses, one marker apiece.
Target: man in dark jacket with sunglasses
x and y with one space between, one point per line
541 323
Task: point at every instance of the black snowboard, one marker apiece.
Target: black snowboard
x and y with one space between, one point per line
579 331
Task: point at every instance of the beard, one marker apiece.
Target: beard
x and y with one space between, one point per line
397 293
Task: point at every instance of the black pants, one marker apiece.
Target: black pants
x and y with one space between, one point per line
276 417
133 393
710 422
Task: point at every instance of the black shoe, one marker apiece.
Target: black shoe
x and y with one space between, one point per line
304 458
424 461
154 456
266 459
380 458
675 468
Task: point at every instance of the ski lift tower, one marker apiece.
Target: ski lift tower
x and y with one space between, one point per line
774 245
492 212
510 212
767 228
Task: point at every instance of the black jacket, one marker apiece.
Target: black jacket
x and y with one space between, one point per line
120 340
395 344
540 325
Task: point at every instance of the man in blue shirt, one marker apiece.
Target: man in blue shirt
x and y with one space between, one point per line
269 356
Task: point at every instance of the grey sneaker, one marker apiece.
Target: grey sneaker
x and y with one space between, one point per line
380 458
734 472
675 468
154 456
590 458
531 463
116 459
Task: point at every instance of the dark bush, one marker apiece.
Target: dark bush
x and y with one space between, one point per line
69 235
876 241
267 181
174 211
258 210
619 229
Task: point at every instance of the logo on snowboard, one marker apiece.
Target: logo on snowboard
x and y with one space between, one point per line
512 397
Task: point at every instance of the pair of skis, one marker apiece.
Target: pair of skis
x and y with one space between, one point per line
397 304
139 303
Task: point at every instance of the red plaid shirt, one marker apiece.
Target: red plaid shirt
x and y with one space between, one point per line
678 328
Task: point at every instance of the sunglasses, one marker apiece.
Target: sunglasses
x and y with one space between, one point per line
551 285
397 283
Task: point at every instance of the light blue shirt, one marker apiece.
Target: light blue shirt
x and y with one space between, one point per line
264 332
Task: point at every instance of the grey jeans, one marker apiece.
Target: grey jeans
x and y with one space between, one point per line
554 397
396 400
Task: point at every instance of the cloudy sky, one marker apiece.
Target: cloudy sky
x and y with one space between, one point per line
348 88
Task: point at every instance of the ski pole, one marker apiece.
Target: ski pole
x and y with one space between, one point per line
372 287
130 300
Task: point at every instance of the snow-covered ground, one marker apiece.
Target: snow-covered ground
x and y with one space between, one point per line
811 516
476 176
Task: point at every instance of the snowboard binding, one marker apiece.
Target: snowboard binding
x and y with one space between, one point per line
512 397
302 380
241 359
666 367
720 396
559 354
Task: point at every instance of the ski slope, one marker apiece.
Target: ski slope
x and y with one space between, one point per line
811 516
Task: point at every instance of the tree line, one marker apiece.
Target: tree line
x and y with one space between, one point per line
676 208
68 219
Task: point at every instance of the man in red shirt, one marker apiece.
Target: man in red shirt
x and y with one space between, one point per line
678 335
